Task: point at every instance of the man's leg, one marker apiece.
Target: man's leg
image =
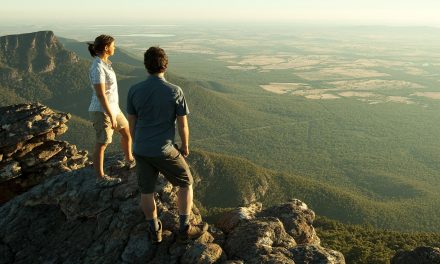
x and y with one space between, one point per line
147 176
148 205
185 200
177 171
184 204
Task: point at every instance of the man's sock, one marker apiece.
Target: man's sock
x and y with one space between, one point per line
154 224
184 222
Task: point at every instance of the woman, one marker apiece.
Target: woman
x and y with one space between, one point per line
104 109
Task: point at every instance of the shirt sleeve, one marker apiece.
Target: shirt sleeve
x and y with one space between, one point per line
182 107
130 107
97 75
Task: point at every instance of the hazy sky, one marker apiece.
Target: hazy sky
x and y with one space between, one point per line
388 12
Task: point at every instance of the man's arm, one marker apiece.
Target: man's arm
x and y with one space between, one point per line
182 126
132 124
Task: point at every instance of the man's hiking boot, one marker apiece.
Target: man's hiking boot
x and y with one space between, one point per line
107 181
192 232
155 236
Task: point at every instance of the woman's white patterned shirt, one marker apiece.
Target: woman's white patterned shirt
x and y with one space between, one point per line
101 72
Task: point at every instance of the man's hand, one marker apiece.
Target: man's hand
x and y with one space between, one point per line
184 150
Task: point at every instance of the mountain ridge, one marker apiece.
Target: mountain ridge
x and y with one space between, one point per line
37 52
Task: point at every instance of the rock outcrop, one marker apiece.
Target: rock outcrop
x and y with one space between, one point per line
29 152
279 234
67 219
420 255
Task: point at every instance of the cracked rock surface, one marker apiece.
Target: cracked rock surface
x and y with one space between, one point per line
29 152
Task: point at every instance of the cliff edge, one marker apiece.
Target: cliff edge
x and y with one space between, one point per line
68 219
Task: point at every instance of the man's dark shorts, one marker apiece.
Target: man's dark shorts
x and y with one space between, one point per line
173 166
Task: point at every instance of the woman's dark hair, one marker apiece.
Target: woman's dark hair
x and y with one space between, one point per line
99 45
155 60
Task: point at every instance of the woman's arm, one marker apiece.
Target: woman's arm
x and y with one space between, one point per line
100 93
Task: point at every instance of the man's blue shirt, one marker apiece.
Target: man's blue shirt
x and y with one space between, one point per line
156 103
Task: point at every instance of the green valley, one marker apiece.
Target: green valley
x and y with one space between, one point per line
347 128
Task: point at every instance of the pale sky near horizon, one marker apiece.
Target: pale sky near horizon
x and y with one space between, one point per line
385 12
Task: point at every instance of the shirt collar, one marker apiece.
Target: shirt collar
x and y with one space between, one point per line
155 77
109 63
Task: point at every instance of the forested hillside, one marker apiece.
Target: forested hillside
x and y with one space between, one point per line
366 244
354 162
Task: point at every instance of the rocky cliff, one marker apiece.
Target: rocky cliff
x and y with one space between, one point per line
68 219
37 52
29 152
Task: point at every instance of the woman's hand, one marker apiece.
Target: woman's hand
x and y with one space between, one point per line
113 121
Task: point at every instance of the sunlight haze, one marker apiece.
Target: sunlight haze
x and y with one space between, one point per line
420 13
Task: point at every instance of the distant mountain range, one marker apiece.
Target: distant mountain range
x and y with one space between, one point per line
36 53
80 49
39 67
36 67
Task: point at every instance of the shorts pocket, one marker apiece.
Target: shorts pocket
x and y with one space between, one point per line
172 154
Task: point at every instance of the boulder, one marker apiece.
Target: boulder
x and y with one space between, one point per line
229 220
279 234
257 237
316 254
297 219
203 254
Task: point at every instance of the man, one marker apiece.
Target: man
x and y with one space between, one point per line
153 107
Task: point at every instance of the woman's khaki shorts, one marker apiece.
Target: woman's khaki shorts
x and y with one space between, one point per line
103 126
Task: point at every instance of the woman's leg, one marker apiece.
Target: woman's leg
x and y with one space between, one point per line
126 143
98 159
